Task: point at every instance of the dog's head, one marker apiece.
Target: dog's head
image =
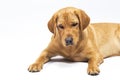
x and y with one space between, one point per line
68 23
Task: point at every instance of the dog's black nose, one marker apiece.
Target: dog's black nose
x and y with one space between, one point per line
69 41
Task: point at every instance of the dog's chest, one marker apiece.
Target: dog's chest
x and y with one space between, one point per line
74 55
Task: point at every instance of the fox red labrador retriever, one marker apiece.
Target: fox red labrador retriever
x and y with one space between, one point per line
77 40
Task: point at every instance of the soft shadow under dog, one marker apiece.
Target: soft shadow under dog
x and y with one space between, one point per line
63 60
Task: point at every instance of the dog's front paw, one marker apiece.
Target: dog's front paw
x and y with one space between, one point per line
93 70
36 67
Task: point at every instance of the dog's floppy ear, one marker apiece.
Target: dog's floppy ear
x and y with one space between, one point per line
52 23
83 18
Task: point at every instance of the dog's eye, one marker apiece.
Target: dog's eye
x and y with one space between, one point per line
61 26
74 24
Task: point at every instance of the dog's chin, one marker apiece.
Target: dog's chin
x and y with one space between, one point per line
68 45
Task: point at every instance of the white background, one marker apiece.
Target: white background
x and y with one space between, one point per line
24 34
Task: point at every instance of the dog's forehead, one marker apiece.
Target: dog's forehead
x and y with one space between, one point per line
67 15
66 12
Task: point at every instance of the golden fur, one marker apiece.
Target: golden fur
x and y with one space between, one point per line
91 42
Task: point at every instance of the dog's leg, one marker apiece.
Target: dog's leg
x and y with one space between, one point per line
43 58
93 64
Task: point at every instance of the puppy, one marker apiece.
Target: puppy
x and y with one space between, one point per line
77 40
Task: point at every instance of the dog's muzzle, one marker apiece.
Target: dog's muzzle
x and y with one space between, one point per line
69 41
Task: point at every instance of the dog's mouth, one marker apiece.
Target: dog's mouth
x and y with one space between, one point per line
69 41
71 44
